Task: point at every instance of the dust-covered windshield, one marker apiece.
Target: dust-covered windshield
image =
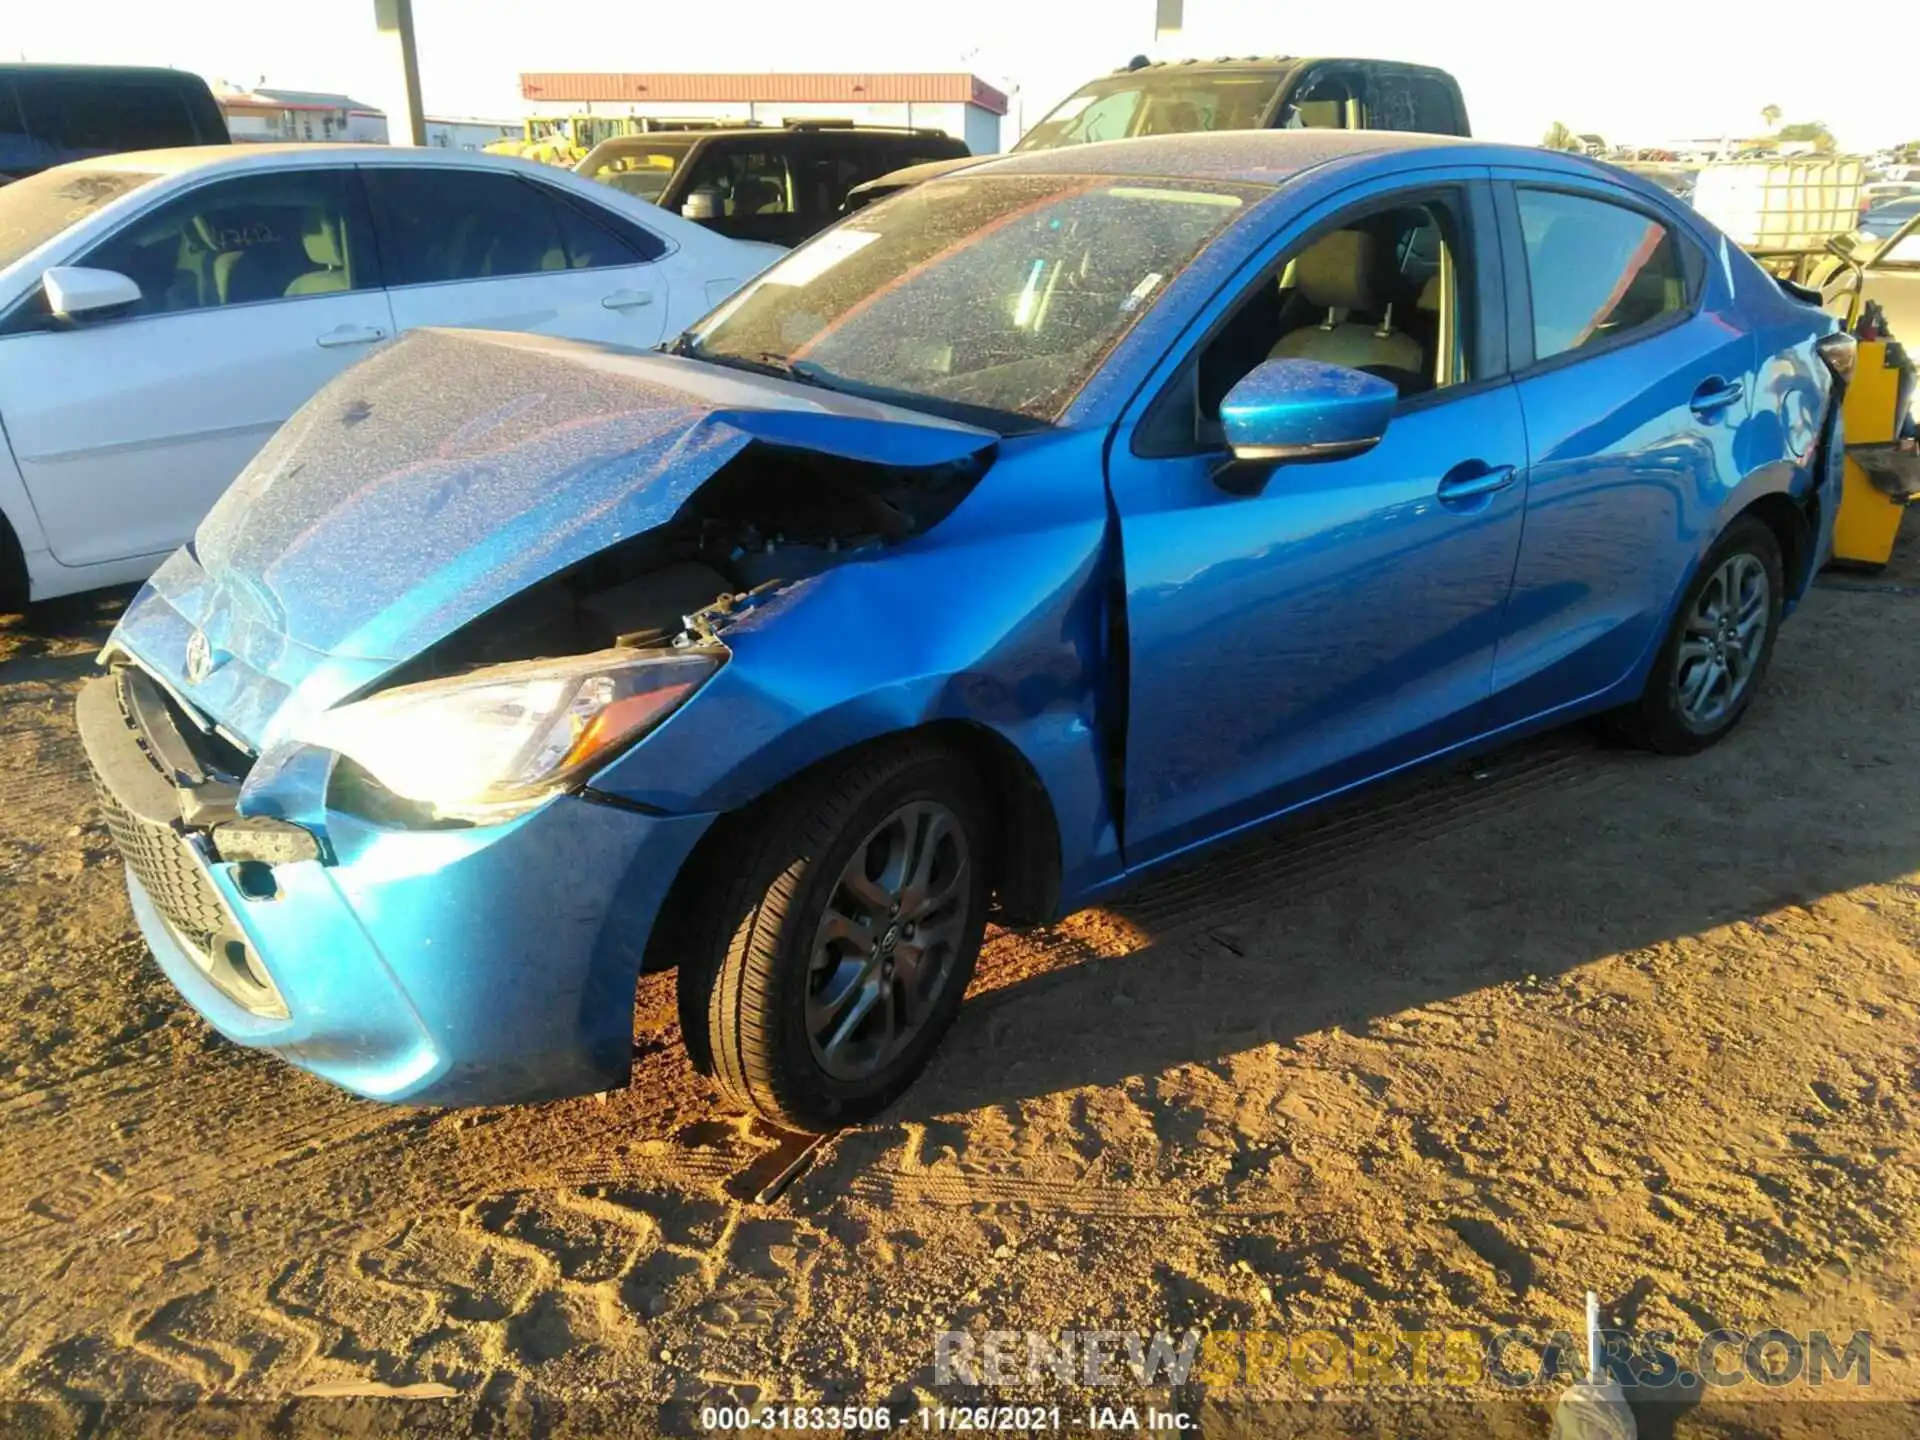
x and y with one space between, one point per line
979 297
34 210
640 168
1156 102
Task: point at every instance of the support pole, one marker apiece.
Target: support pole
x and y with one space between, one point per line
393 19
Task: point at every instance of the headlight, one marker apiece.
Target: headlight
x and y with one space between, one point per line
496 741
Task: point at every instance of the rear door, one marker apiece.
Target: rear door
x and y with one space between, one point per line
1636 374
465 246
255 291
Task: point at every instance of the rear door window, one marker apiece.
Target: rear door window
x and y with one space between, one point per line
828 165
1596 270
439 225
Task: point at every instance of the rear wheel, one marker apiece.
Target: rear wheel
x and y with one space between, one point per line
1716 653
840 940
14 586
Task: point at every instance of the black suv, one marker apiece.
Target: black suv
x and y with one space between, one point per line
1279 92
50 114
761 182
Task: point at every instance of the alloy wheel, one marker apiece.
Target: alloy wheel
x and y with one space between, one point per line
1722 642
886 946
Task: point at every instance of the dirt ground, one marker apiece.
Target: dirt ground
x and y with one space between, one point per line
1568 1018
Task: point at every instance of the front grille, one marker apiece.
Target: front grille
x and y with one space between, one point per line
157 855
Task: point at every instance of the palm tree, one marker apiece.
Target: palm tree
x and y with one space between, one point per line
1771 115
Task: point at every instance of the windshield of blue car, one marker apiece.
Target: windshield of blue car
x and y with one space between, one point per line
977 297
1156 102
640 168
34 210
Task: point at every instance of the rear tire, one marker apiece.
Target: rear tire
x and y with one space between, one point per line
1716 652
14 585
840 928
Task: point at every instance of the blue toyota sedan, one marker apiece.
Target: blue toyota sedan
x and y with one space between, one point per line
1007 541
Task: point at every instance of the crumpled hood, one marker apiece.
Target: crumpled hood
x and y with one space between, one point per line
444 476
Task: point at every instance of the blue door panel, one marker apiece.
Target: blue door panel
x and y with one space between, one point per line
1335 626
1618 495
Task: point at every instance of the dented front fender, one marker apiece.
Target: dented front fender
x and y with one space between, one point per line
996 617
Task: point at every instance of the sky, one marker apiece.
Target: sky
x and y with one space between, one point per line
1631 70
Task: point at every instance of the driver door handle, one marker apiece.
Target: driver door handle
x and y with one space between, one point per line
350 335
627 299
1471 479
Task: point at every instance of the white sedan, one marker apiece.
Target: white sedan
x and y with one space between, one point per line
163 313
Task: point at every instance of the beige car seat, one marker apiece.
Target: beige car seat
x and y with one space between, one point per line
1336 275
328 256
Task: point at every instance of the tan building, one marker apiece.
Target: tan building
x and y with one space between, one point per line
962 105
273 115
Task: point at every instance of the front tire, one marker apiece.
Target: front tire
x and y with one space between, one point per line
841 936
1716 652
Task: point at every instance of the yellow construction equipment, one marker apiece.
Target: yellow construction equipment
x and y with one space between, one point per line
1876 494
566 139
1874 286
1799 218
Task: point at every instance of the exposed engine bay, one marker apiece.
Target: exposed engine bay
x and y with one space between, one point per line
769 517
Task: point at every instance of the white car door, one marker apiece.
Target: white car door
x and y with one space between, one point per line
499 251
255 291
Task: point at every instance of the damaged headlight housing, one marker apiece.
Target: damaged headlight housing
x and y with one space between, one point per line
486 745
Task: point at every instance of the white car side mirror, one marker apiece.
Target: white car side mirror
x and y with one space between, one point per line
76 290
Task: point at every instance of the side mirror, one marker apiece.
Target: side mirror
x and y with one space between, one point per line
1301 410
700 205
75 290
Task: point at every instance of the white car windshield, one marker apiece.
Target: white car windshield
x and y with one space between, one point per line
974 296
34 210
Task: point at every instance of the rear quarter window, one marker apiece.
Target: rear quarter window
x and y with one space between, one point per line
1410 100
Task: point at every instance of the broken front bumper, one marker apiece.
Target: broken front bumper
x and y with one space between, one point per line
480 965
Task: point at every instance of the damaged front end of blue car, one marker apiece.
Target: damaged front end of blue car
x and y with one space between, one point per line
407 752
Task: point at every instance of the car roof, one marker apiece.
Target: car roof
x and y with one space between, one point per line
1250 64
1265 157
279 154
730 132
97 72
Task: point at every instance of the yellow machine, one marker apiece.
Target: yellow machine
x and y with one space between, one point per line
549 139
1870 505
1877 285
566 139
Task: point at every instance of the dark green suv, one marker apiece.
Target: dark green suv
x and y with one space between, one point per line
1177 97
762 182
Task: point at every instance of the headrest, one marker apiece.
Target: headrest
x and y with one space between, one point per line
1336 271
1429 301
323 244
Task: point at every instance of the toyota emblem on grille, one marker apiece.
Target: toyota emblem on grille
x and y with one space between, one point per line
199 657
